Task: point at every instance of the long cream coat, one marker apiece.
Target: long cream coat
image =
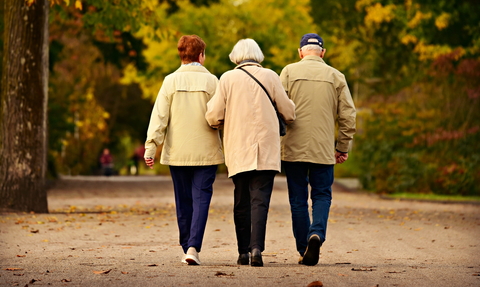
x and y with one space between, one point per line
178 120
251 136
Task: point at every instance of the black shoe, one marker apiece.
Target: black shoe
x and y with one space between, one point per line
243 259
312 253
256 257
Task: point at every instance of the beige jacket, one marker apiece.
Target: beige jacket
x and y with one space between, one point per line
178 120
322 98
251 131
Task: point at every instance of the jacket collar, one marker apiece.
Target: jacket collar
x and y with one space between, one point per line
248 64
313 58
190 68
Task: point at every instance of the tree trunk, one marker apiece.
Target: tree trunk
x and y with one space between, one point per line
23 107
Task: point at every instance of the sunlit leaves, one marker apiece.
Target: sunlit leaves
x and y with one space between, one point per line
377 14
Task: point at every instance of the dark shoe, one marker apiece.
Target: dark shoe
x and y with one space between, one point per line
243 259
256 257
312 253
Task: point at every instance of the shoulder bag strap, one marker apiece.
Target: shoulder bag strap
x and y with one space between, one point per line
260 86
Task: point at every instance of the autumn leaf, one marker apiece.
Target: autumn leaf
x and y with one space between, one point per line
315 284
21 255
102 271
66 280
13 269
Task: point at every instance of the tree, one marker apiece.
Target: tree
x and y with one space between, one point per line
23 105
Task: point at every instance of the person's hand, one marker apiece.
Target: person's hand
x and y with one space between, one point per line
341 157
150 161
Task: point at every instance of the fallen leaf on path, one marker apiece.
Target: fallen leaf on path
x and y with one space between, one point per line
15 274
363 269
124 272
152 265
13 269
343 263
315 284
102 271
21 255
340 274
66 280
34 231
219 273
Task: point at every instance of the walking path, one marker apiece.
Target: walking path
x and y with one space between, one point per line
121 231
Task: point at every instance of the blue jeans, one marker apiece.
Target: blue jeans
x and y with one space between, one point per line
193 186
320 178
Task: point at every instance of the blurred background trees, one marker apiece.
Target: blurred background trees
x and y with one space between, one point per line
413 67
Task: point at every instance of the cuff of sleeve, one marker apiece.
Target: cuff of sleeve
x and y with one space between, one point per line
150 150
341 151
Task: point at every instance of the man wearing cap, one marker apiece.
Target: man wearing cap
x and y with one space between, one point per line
309 149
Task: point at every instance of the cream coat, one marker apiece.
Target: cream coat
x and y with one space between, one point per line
322 98
178 120
251 131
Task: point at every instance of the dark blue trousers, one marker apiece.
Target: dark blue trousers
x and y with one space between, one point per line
320 177
193 186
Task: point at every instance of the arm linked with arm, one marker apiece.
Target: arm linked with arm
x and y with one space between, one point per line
215 114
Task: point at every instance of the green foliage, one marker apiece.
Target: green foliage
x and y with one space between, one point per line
426 139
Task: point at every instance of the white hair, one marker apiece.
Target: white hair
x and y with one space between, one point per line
315 48
246 49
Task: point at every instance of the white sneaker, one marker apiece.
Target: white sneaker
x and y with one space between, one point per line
183 258
192 256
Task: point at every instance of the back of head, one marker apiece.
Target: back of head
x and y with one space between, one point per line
190 47
246 49
311 42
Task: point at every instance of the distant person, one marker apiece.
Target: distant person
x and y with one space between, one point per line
137 157
251 142
106 162
190 147
309 153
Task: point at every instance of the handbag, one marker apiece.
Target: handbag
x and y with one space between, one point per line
281 122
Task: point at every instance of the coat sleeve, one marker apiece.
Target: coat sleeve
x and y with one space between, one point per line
158 122
346 116
215 114
285 106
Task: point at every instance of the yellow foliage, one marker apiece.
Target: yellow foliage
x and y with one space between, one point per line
78 5
429 52
442 21
419 16
378 14
407 39
360 4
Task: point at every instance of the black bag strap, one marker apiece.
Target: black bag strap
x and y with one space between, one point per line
271 101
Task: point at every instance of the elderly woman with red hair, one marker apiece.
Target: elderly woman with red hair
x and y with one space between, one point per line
191 148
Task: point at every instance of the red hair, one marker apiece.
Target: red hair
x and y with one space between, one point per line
190 47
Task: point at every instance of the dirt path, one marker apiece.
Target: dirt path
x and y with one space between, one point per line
125 227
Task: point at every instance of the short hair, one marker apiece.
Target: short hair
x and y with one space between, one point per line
246 49
190 47
315 48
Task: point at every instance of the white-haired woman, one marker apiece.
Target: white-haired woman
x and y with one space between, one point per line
251 141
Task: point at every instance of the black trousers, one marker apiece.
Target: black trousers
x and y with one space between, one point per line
253 190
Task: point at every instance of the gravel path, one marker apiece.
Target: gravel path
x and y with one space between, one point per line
121 231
